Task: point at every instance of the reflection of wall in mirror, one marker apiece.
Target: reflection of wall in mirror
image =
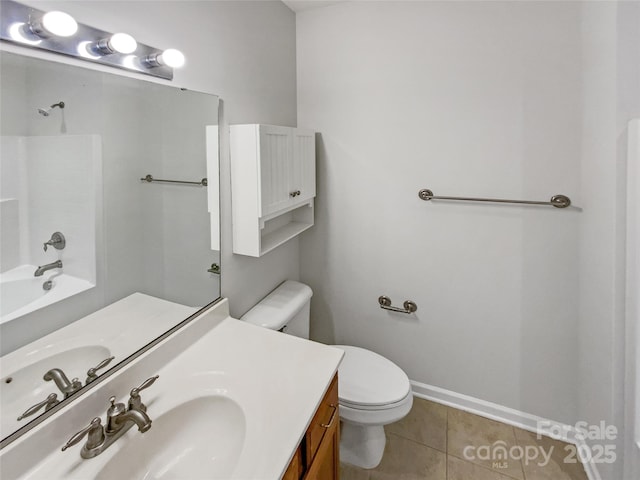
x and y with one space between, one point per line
177 230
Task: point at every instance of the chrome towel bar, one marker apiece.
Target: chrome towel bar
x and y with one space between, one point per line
149 179
558 201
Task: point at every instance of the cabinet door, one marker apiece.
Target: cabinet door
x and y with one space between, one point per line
322 441
296 467
326 463
275 164
303 167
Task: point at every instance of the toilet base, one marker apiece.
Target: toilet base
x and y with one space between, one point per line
361 445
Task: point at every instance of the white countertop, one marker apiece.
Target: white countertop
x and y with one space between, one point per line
118 329
277 380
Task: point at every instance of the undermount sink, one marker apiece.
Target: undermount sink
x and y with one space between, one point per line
25 387
200 438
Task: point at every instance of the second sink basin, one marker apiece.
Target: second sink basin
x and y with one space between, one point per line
200 438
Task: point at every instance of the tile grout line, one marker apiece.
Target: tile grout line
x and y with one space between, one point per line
515 437
417 443
446 446
504 474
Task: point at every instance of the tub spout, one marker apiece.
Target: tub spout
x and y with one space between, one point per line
49 266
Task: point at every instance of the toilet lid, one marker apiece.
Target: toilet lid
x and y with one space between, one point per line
366 378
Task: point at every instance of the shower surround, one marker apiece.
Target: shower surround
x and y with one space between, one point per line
49 184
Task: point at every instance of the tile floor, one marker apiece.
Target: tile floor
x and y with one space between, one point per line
430 444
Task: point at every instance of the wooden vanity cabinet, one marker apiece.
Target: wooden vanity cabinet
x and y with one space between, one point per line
318 456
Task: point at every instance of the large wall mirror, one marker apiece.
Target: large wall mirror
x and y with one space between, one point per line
96 262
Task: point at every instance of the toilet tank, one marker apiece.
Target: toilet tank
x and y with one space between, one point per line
286 308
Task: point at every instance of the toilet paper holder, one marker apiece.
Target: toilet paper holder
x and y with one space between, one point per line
385 303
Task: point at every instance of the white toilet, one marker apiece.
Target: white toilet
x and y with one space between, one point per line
372 390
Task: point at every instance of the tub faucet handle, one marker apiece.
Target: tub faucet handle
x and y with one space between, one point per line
57 241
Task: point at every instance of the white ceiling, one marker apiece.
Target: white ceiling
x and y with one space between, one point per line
300 5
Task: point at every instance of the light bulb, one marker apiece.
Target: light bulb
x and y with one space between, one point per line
171 58
123 43
21 33
59 23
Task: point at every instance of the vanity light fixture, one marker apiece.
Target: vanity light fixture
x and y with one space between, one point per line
58 32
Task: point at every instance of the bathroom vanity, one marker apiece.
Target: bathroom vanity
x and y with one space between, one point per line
232 401
318 456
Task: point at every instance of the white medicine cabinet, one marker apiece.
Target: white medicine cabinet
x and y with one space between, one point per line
273 185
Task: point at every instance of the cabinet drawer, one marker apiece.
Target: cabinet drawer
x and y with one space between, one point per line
325 418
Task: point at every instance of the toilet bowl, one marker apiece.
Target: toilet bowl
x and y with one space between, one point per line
372 390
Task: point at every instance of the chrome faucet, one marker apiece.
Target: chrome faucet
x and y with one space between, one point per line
49 266
50 402
62 381
57 241
118 417
119 420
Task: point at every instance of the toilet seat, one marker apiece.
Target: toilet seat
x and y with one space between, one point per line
377 416
369 381
374 408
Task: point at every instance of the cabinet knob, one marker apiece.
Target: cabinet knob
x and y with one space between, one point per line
295 193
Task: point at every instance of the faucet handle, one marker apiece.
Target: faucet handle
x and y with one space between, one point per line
135 402
49 402
57 241
94 432
91 373
146 384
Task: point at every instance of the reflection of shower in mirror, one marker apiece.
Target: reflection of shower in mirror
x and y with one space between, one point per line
45 111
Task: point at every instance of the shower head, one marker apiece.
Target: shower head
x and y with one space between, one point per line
45 111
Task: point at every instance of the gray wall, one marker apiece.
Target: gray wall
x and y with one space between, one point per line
464 98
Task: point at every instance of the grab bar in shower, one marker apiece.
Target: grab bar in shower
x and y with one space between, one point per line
558 201
149 179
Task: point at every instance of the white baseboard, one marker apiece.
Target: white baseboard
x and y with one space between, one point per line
503 414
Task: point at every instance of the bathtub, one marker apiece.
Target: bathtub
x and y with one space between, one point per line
22 293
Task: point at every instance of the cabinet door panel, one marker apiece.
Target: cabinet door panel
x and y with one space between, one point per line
326 464
275 160
303 168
